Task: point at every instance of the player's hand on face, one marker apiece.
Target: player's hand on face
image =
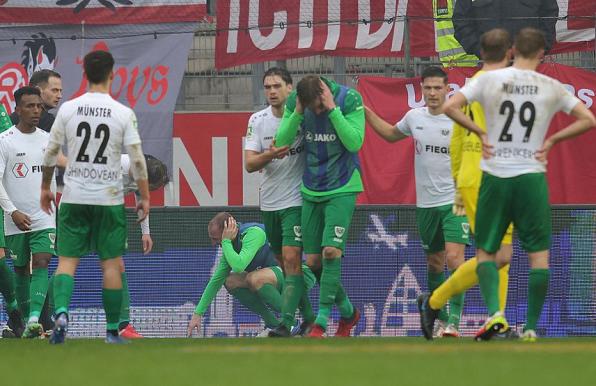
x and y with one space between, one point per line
147 244
278 152
22 221
143 208
327 97
542 154
487 148
46 200
458 204
195 322
230 229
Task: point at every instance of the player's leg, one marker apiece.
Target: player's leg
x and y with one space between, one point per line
338 212
125 328
267 285
492 220
237 285
110 234
15 324
456 230
42 247
532 218
504 255
21 254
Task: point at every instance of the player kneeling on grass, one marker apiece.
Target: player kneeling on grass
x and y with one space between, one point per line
248 269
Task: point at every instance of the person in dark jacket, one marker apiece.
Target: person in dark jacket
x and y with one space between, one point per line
472 18
49 83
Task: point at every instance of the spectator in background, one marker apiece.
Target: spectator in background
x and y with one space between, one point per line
49 82
472 18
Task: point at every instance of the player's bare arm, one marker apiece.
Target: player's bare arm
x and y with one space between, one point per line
453 109
139 172
585 121
386 130
255 161
49 163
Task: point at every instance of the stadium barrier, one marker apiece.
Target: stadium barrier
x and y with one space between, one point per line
383 272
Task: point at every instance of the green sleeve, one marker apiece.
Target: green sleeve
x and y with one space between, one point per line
217 280
349 124
288 127
252 240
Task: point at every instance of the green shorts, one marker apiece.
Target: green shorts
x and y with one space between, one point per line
439 225
2 240
522 200
309 277
23 245
283 228
326 221
86 228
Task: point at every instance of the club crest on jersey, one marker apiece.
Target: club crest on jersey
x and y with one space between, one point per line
20 170
298 230
339 231
465 227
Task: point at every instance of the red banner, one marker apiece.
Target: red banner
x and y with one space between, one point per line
252 31
101 12
388 169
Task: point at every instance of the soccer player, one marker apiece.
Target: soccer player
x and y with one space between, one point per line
157 174
331 118
248 269
519 104
444 235
49 83
94 127
280 198
15 326
30 233
466 152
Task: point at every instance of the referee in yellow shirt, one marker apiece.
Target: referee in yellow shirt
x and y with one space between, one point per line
466 153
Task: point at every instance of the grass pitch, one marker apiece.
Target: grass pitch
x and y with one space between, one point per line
304 362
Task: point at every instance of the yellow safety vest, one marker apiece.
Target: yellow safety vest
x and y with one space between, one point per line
451 53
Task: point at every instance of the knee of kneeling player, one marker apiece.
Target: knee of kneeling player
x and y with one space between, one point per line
331 253
40 261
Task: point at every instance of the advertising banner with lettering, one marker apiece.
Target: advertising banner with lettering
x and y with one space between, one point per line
251 31
147 74
388 168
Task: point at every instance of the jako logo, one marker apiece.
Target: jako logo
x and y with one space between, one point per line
319 137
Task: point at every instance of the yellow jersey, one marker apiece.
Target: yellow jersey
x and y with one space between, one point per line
465 148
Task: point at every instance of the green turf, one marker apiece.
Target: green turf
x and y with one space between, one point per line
304 362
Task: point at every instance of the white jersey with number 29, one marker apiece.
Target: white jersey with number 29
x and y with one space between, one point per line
94 128
519 106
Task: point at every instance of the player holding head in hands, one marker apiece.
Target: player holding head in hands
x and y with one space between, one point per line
94 128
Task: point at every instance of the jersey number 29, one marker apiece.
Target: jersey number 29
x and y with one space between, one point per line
102 131
526 121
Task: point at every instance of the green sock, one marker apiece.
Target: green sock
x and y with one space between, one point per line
456 307
7 285
291 295
537 288
63 287
345 307
271 296
306 308
254 303
435 279
22 293
37 292
329 286
488 280
125 308
112 302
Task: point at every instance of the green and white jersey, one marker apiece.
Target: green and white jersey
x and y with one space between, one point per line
432 163
94 127
282 178
21 160
519 106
